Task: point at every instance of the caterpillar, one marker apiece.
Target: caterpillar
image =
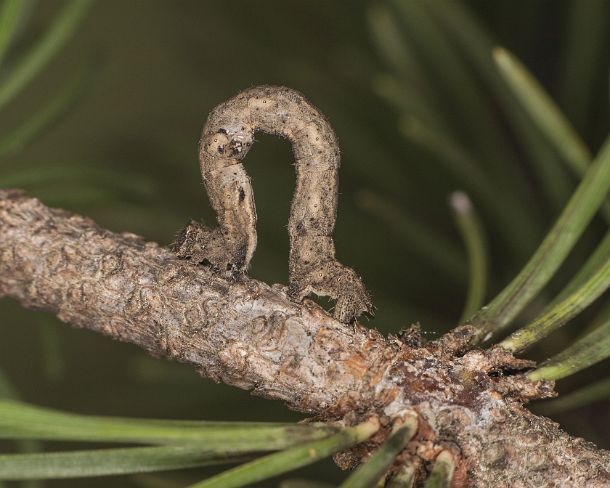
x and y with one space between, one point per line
226 138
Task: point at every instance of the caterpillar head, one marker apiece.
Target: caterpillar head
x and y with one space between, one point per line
228 142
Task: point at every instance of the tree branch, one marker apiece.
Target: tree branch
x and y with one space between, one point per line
251 335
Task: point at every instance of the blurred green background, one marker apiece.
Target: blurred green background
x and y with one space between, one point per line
410 89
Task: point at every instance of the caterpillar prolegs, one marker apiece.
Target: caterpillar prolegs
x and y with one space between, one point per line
226 138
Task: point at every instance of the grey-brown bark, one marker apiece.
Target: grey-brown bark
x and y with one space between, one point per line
251 335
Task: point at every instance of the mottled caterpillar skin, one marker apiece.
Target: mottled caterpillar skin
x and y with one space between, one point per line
227 136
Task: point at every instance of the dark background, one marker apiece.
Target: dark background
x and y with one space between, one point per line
125 154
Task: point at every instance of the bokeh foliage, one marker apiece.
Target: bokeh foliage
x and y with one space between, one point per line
420 111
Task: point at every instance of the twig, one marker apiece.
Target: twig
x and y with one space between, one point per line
250 335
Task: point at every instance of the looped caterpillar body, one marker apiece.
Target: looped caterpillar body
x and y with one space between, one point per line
226 139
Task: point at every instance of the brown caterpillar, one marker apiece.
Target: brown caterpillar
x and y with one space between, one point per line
227 136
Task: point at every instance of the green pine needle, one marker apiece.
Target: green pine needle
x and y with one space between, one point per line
78 183
291 459
552 251
543 111
22 135
514 219
475 44
99 462
473 236
19 420
586 395
12 14
585 57
408 101
375 467
442 472
560 314
593 263
546 115
453 80
590 349
387 36
303 483
43 51
404 478
53 355
415 236
7 390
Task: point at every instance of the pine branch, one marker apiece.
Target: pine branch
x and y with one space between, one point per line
248 334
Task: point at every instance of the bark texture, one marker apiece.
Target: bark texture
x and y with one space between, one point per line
251 335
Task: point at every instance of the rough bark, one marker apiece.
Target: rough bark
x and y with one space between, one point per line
251 335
